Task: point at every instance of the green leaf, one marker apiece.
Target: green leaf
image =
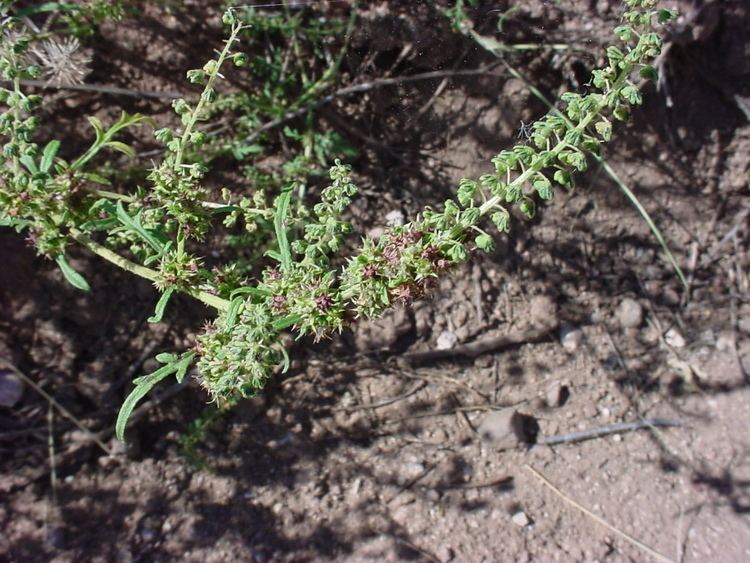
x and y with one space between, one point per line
48 157
161 306
47 7
604 128
144 384
182 366
254 291
29 163
143 387
285 357
466 191
285 322
282 207
74 278
485 243
234 310
649 73
121 147
134 224
501 219
527 207
96 178
166 358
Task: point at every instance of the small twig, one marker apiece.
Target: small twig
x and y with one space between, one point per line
482 346
486 484
418 387
61 409
639 544
102 89
606 430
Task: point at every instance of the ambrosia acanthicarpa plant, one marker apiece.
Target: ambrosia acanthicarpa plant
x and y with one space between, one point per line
151 232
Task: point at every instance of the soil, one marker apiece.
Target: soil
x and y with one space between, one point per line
361 453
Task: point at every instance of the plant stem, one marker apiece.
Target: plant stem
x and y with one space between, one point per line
211 300
195 116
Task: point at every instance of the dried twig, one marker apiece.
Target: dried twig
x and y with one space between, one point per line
482 346
384 403
103 89
606 430
639 544
61 409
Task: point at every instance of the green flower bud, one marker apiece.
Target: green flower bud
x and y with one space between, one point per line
198 138
228 18
196 76
240 59
209 95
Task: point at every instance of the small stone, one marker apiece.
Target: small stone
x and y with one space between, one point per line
446 340
395 218
508 428
11 389
674 338
571 338
617 438
520 519
630 313
557 394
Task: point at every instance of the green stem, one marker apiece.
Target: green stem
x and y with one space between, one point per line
147 273
195 116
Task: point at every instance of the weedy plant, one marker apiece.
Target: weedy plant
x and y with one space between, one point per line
153 232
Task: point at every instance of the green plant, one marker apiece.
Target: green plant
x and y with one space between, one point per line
59 202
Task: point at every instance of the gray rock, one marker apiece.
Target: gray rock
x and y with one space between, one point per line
674 338
11 389
520 519
446 341
630 313
571 338
557 394
503 429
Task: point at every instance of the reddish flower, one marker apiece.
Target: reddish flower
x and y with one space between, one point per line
324 302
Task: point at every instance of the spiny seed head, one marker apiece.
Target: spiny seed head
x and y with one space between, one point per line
369 271
62 61
278 302
324 302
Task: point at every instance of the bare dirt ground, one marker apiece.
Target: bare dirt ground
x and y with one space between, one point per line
367 450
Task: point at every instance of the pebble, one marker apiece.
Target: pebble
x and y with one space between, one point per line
11 389
395 218
446 340
503 428
520 519
557 394
630 313
571 338
674 338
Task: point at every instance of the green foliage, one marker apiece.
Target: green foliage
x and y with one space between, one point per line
311 288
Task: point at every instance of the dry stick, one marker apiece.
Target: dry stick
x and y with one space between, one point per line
384 403
103 89
65 412
606 430
652 552
479 347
